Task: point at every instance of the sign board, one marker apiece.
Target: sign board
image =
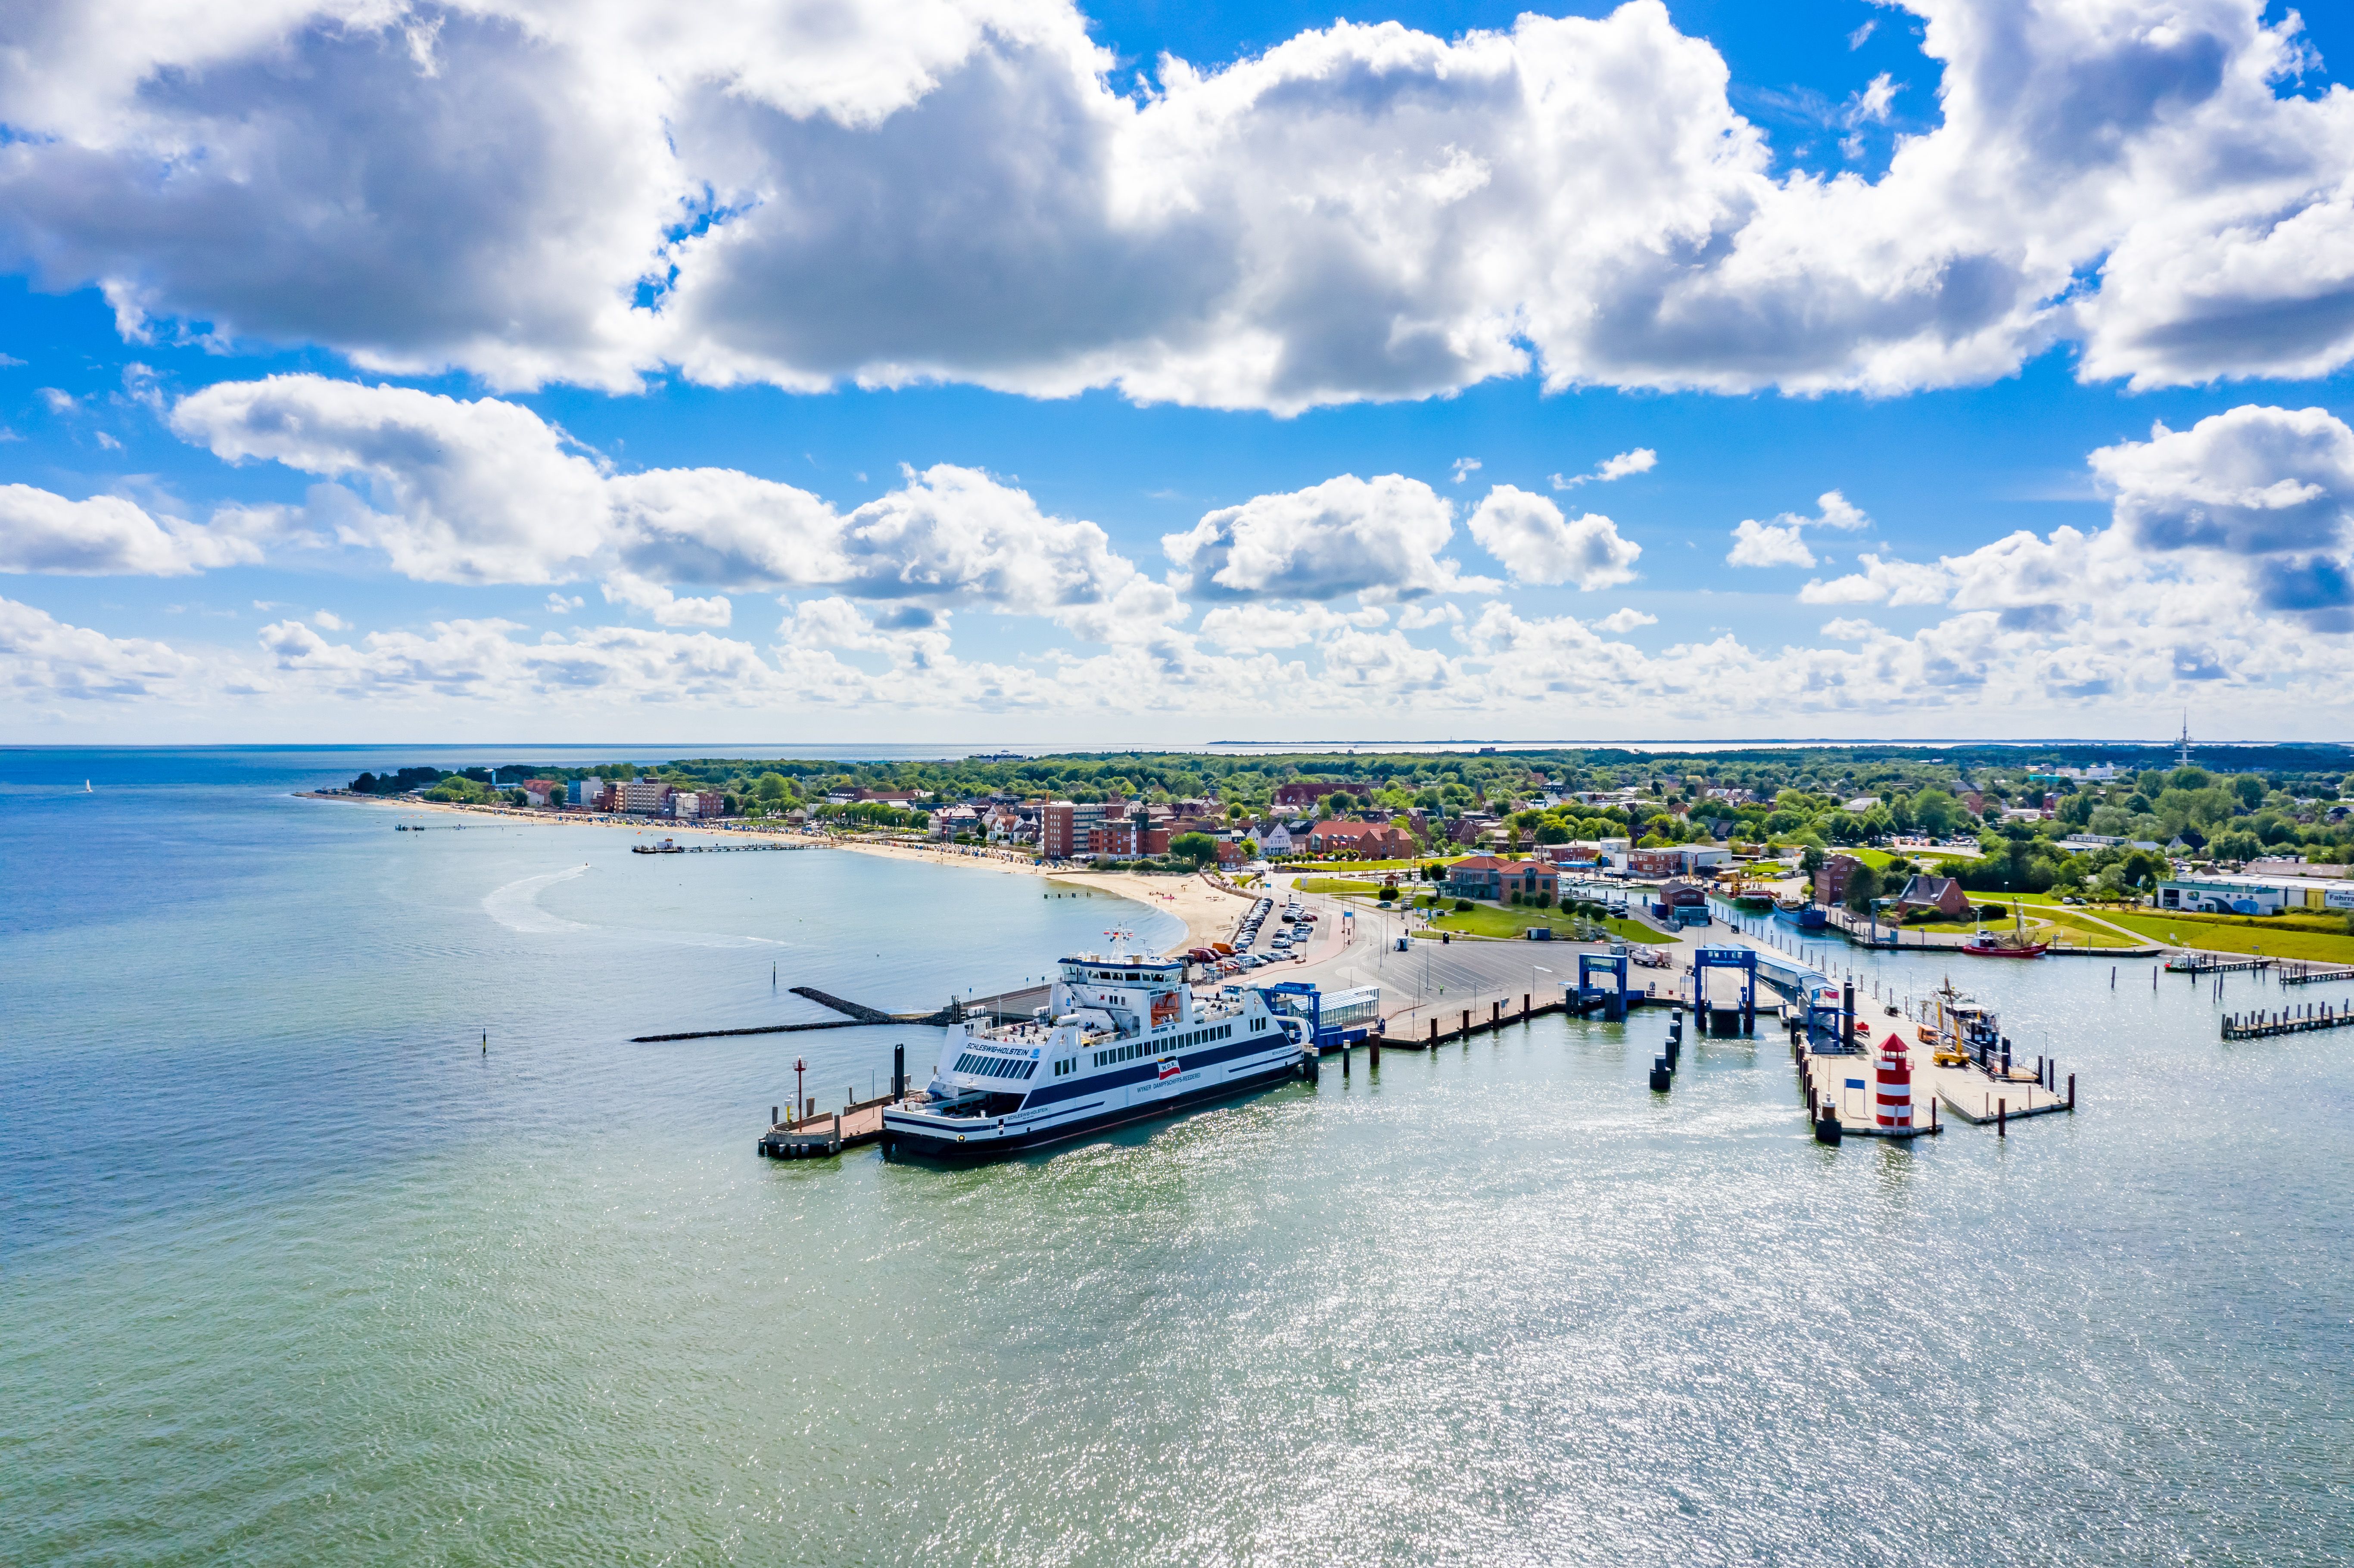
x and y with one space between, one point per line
2338 897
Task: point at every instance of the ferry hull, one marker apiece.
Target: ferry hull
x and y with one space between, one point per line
985 1142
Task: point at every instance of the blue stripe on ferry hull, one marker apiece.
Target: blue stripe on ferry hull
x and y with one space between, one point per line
932 1146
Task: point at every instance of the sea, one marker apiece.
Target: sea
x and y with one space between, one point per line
342 1220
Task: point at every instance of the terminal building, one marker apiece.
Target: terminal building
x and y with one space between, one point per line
2226 895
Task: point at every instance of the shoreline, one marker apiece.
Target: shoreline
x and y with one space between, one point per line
1207 911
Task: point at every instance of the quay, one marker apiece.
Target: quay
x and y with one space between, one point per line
2312 974
1838 1086
2310 1019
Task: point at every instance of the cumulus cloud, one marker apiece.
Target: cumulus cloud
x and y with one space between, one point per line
1642 460
1756 543
1626 620
664 606
328 621
1883 582
806 194
1529 533
1781 542
486 492
42 657
1378 537
1465 468
1233 626
108 537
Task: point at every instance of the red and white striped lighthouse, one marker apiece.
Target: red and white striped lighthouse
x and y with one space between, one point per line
1893 1090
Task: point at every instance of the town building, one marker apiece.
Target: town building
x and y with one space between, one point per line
2246 894
1831 880
591 794
1486 876
645 796
1943 895
1365 840
537 791
1676 859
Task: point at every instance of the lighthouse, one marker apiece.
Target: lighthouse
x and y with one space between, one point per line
1892 1092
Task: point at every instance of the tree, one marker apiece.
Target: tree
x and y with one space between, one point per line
772 788
1937 812
1810 859
1553 833
1201 849
518 798
1862 887
559 797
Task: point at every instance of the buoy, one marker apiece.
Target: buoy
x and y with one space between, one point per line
1893 1090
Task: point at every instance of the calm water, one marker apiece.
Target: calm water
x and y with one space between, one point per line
292 1272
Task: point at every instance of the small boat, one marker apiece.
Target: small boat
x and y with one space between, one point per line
1800 914
86 789
666 846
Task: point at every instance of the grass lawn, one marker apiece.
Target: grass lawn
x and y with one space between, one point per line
1506 920
2278 940
1336 885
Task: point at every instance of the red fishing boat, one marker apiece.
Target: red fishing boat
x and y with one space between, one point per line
2010 943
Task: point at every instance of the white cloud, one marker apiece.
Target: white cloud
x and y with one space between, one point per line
1255 625
807 192
559 604
1347 535
1626 620
1756 543
108 537
1883 581
1416 617
1528 533
1642 460
43 658
1855 39
666 608
1780 544
1465 468
486 492
328 621
59 402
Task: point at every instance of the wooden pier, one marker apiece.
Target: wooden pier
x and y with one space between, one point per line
2207 964
821 1137
2311 1018
2312 974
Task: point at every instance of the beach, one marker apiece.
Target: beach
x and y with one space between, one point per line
1208 910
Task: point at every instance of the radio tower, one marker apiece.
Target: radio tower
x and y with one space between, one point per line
2184 755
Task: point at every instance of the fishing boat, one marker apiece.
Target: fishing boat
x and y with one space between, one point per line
1123 1038
1800 914
2001 945
2010 943
665 847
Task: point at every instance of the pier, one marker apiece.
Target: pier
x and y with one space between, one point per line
2312 974
2201 963
819 1136
2310 1019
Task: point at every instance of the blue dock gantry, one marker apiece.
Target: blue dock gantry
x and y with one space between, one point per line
1336 1020
1741 960
1590 996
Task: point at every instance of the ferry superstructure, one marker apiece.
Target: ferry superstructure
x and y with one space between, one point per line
1121 1038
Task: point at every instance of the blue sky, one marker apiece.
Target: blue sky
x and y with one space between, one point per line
935 377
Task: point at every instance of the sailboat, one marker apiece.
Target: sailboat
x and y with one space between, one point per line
86 789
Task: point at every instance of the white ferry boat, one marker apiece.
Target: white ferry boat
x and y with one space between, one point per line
1121 1038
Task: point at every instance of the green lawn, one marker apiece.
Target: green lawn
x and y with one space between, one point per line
2276 940
1336 885
1505 921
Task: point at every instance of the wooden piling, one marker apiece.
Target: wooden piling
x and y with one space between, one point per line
2002 1118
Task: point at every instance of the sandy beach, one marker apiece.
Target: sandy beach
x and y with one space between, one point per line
1209 911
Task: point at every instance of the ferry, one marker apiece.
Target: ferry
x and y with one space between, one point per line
666 846
1123 1038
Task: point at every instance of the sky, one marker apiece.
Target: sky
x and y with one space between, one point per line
1002 371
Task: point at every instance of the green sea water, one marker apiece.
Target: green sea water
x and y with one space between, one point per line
291 1271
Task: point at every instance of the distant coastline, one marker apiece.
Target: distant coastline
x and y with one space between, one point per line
1207 910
